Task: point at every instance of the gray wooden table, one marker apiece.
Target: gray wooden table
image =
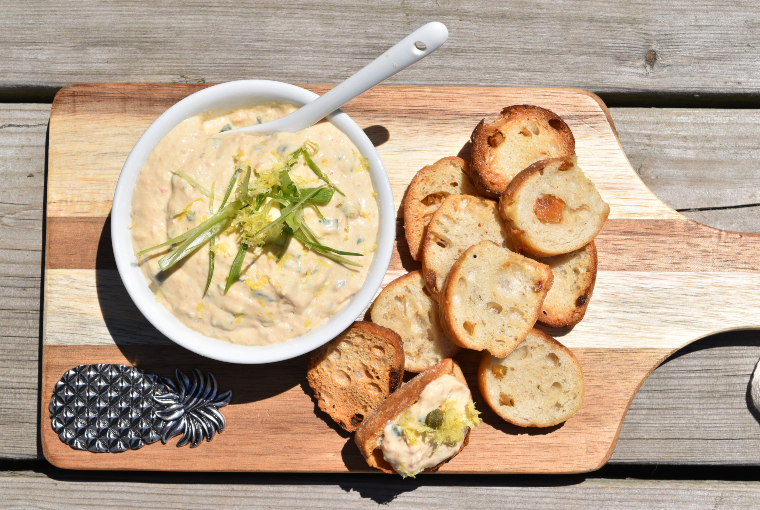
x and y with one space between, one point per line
682 82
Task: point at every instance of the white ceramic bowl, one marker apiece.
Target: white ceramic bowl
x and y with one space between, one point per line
225 97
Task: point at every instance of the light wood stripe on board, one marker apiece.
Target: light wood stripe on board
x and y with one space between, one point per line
275 401
623 245
83 117
629 309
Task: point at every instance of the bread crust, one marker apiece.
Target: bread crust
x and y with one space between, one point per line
509 206
430 186
405 306
483 383
348 402
562 311
369 432
453 315
490 173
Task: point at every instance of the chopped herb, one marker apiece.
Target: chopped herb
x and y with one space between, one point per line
237 264
227 127
211 255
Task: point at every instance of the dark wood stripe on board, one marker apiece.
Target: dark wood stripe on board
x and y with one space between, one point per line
623 245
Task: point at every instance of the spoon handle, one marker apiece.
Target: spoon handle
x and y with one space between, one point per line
402 55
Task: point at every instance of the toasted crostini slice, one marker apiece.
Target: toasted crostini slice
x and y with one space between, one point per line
492 298
518 137
539 384
425 194
552 208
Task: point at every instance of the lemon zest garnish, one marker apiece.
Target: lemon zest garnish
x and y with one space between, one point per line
363 214
184 212
133 225
363 163
238 317
257 282
322 288
306 323
284 259
222 249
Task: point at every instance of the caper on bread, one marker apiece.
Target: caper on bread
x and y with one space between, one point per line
426 192
539 384
552 208
352 374
421 426
406 307
574 279
492 298
460 222
517 138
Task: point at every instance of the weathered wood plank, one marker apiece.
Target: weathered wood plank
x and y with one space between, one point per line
22 173
697 159
618 47
58 490
694 409
708 386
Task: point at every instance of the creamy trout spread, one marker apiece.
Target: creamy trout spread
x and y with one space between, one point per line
281 293
411 453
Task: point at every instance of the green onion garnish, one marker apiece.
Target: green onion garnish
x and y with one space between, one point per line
248 213
236 265
192 182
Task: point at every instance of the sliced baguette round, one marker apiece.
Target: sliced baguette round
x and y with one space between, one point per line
540 384
517 138
492 298
552 208
405 306
574 279
352 374
368 436
427 190
460 222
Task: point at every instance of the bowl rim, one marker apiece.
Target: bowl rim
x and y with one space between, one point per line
225 97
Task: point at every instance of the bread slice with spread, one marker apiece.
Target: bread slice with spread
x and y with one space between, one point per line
540 384
352 374
460 222
428 189
492 298
406 307
552 208
517 138
574 279
421 426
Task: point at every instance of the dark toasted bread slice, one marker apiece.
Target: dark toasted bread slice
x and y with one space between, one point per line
517 138
352 374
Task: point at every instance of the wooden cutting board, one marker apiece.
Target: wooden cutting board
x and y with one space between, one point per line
663 282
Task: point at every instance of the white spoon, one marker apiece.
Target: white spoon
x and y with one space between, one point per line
414 47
